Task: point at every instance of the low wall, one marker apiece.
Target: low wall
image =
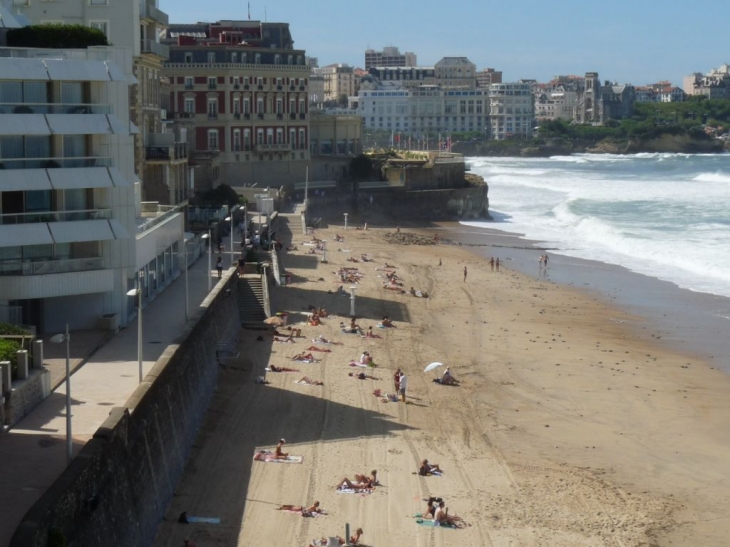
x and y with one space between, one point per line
27 394
115 492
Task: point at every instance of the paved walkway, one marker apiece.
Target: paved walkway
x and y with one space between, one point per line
33 453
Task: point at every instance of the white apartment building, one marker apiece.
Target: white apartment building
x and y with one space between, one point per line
389 56
67 196
423 110
511 110
456 73
339 80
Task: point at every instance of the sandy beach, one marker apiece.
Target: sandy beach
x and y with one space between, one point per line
573 425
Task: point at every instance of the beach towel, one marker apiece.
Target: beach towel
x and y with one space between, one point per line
432 524
315 348
303 383
306 361
269 457
358 364
362 491
269 370
208 520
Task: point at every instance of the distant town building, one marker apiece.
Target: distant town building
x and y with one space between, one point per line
600 103
511 110
558 98
406 77
713 85
340 80
390 56
316 89
488 76
455 73
246 88
335 134
423 110
660 92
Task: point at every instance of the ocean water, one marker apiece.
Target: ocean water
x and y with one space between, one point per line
662 215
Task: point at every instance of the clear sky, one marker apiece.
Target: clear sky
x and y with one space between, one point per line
628 41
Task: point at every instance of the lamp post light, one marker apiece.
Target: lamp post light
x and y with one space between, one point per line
345 221
57 339
353 288
210 257
324 252
187 295
138 293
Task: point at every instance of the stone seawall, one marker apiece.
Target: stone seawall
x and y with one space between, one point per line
116 490
422 205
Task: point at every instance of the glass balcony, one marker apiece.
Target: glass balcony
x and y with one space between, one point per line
55 216
150 46
54 108
149 11
53 163
50 266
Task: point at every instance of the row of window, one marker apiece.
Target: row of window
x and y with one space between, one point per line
244 58
268 136
212 106
248 82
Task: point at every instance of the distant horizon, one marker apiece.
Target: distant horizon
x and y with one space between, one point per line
540 42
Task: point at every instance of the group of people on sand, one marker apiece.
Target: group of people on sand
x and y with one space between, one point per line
436 509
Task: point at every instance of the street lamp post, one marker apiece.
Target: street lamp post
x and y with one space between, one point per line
187 295
353 288
210 257
58 338
138 293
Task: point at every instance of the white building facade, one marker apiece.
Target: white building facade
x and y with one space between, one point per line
67 187
511 110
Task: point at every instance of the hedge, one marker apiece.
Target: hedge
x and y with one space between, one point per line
56 36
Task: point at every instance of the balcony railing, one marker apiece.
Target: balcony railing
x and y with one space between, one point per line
206 156
189 86
212 115
54 108
177 151
55 216
181 115
155 48
274 147
302 116
148 11
44 267
53 163
212 85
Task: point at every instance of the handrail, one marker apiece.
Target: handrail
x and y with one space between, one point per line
44 267
55 216
265 287
50 163
55 108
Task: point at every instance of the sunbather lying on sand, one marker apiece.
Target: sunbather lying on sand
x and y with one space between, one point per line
306 380
304 357
274 368
315 348
447 379
288 340
360 482
305 511
442 517
362 376
386 322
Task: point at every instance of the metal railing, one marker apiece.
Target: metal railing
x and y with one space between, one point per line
50 266
207 155
55 216
177 151
150 46
54 163
298 68
54 108
273 147
165 212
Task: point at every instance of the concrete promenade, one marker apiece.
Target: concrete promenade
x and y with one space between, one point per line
33 453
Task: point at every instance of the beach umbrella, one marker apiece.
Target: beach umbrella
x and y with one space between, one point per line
432 366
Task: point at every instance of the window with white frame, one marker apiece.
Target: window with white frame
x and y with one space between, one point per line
234 57
269 136
188 57
292 105
301 106
279 106
190 104
279 135
236 105
259 136
260 105
257 59
211 56
246 105
236 140
100 25
293 138
247 139
302 141
213 139
212 108
212 82
189 82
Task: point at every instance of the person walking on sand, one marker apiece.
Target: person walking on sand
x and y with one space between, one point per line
402 385
440 263
496 264
465 272
219 266
396 381
491 263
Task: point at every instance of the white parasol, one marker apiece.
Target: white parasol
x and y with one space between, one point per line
432 366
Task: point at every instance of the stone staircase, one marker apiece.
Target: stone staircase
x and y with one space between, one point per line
251 301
